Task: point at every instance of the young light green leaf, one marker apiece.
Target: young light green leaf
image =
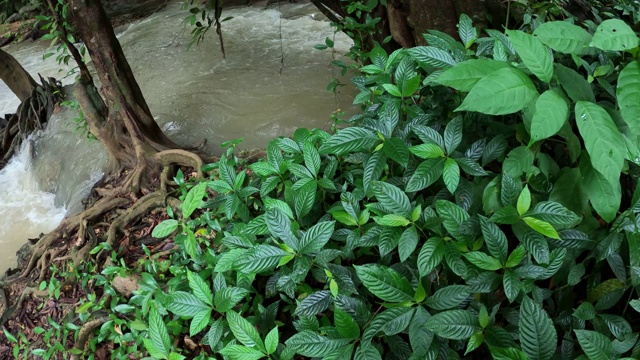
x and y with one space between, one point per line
542 227
392 220
524 201
427 151
533 54
272 340
193 199
563 36
165 228
504 91
551 113
614 35
538 336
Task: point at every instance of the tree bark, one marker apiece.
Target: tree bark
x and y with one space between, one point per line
122 121
15 76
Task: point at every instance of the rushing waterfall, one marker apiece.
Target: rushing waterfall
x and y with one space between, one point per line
271 82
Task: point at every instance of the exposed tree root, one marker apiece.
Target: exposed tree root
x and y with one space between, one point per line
69 225
17 307
85 332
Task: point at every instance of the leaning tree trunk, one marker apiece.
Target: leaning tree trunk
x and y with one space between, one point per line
15 76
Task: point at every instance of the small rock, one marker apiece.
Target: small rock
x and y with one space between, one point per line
125 286
13 18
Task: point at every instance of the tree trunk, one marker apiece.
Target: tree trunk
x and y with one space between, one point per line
15 76
122 121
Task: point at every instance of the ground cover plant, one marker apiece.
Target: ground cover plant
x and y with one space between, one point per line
483 204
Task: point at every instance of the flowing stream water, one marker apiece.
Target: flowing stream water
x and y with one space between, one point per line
271 82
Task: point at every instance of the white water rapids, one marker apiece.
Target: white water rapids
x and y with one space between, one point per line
271 82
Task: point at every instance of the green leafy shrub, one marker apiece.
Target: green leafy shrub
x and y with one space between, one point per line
483 204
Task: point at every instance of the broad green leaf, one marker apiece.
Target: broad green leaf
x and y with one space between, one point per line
385 283
314 239
467 32
279 226
495 239
614 35
474 342
430 256
463 76
507 354
391 321
392 220
428 135
344 323
392 89
165 228
448 297
554 213
431 56
427 151
518 161
373 169
628 92
516 256
551 112
574 84
158 332
595 345
193 199
542 227
451 175
200 288
453 324
311 344
605 196
428 172
538 336
227 298
524 201
396 150
504 91
347 140
259 259
244 331
408 243
304 198
483 261
186 304
271 341
533 54
511 283
563 36
602 139
585 311
311 158
392 199
199 322
314 303
453 134
239 352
